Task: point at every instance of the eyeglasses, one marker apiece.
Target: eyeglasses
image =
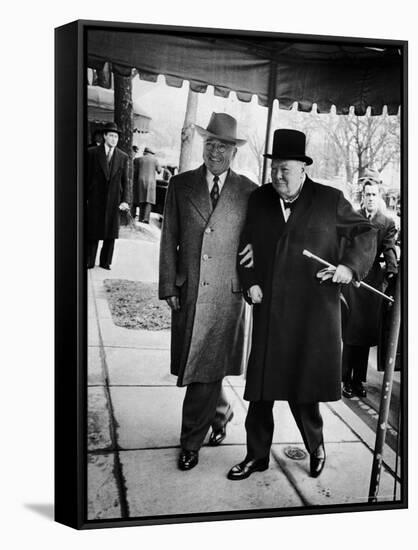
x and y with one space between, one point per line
214 146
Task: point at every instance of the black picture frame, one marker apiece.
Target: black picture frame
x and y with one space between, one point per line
71 278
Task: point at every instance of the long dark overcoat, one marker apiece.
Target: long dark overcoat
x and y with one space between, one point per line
106 189
144 182
362 320
296 341
198 263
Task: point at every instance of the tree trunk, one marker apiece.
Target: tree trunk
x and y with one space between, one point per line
104 77
187 132
124 119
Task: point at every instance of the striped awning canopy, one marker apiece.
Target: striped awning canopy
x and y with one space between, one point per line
100 108
344 74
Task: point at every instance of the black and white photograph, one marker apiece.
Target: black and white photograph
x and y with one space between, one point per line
208 275
243 247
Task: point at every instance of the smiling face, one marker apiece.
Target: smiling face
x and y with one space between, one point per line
371 197
287 177
218 155
111 138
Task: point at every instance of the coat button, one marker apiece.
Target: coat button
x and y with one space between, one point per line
205 257
208 230
204 283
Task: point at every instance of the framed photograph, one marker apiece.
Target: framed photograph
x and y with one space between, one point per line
231 292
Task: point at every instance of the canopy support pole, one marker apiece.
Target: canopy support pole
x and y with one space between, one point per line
270 101
386 394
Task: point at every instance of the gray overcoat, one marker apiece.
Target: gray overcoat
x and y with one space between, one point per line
144 183
198 263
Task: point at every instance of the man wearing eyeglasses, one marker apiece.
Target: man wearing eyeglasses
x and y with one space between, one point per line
204 214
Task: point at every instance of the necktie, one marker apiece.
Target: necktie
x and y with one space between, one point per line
214 194
288 205
109 157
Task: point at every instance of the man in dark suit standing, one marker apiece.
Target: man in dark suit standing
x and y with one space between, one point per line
107 194
362 321
296 341
203 218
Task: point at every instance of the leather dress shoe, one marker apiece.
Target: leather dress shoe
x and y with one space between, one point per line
359 389
188 459
217 436
105 266
317 461
347 390
247 467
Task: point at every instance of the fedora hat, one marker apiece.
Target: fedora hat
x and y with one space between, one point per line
221 126
148 150
289 145
369 175
111 127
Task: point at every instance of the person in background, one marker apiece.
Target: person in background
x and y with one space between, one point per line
361 322
144 184
107 194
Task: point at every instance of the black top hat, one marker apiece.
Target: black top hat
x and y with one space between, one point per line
111 127
289 145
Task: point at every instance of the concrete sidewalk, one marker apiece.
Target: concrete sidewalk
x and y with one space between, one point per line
134 410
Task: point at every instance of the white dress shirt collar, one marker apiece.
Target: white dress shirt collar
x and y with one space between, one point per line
210 176
286 211
107 149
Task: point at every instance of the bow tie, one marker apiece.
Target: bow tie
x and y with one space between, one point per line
289 204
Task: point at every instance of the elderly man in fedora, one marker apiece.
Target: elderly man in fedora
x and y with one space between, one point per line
363 316
296 341
107 194
204 215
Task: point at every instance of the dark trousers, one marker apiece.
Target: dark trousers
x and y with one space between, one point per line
204 405
106 252
259 425
144 211
355 362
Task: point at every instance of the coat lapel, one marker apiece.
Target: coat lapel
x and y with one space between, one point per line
199 194
227 198
114 163
103 161
301 211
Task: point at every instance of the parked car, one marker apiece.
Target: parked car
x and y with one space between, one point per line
162 183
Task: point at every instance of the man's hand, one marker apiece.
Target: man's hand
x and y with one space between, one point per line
343 274
124 206
256 294
248 256
173 302
340 274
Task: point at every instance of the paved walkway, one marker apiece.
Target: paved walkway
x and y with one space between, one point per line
134 412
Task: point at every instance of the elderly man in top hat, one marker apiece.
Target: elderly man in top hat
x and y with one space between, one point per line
203 218
144 184
107 193
296 341
363 317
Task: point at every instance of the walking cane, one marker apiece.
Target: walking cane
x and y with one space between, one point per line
362 284
390 361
